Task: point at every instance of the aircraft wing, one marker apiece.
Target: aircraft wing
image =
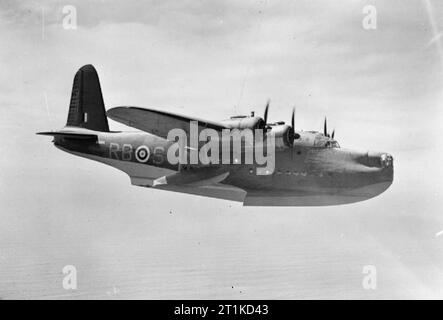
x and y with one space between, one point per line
158 122
217 190
200 176
203 181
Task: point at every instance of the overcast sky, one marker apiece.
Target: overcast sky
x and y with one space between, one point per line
381 89
219 58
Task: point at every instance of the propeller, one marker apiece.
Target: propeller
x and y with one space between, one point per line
325 128
325 131
289 133
266 112
292 129
265 117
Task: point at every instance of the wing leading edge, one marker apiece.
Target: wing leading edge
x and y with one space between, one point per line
158 122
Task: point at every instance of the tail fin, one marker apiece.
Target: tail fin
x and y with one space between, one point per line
87 109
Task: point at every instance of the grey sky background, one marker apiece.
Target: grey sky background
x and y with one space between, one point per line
380 89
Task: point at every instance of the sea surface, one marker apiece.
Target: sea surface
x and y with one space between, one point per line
127 242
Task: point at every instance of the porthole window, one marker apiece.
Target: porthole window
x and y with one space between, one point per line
251 171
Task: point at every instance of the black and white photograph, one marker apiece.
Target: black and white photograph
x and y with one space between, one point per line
220 150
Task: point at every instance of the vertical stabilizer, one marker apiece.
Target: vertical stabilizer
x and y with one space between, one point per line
87 109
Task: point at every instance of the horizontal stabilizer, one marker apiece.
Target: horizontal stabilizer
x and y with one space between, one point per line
69 135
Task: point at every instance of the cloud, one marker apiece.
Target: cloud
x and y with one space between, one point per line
380 89
231 57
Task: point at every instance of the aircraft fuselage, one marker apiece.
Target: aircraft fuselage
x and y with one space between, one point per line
304 175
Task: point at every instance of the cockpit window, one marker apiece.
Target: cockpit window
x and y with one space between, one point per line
322 141
332 144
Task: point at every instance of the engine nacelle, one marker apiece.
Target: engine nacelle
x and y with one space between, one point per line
245 123
284 135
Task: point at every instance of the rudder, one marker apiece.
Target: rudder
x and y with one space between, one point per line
87 109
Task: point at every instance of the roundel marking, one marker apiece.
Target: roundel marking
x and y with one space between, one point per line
142 154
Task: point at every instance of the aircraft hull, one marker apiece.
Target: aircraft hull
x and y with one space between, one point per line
283 188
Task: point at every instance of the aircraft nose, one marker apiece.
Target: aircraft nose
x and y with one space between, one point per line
384 161
378 159
373 175
379 164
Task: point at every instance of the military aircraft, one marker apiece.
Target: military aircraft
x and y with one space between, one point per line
310 167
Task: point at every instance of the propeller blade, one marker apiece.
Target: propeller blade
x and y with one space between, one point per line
266 111
333 133
325 128
293 118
